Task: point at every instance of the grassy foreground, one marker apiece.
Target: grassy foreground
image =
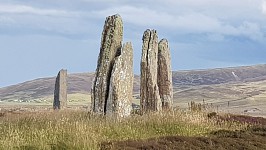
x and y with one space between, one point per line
79 130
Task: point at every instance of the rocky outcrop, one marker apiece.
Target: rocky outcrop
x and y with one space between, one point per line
60 92
111 44
119 101
165 75
149 91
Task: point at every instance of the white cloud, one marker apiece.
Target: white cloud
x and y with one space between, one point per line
199 23
211 17
264 6
196 23
138 16
152 18
186 23
54 21
251 30
23 9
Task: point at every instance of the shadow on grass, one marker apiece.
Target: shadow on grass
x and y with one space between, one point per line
57 146
26 147
250 139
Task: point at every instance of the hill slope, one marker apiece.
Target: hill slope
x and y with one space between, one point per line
44 87
81 82
242 86
220 76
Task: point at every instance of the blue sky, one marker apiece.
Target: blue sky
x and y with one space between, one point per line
39 37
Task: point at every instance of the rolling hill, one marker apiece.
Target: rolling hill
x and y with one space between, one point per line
235 86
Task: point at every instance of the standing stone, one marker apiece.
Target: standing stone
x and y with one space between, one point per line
60 92
149 92
111 44
119 101
165 75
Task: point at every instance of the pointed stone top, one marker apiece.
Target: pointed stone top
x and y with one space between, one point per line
114 17
163 46
127 44
114 21
117 16
151 30
163 41
63 70
149 33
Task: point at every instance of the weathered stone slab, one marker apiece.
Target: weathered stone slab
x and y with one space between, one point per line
111 44
149 91
119 101
60 92
165 75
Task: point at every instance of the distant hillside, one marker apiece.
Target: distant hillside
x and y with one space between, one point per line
44 87
81 82
220 76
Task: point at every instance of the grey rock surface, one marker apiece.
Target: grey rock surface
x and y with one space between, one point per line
165 75
60 92
149 91
119 101
111 44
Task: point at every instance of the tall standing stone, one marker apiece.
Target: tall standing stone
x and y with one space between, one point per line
60 92
111 44
149 91
119 101
165 75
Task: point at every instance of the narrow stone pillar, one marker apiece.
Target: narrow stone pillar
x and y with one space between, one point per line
149 91
165 75
119 101
111 44
60 92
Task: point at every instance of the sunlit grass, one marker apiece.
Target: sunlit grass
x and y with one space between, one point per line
73 98
80 130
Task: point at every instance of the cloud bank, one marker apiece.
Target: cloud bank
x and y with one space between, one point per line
202 33
212 17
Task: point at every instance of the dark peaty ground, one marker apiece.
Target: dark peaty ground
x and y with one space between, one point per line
253 138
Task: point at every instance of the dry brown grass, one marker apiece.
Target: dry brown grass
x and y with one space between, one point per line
80 130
